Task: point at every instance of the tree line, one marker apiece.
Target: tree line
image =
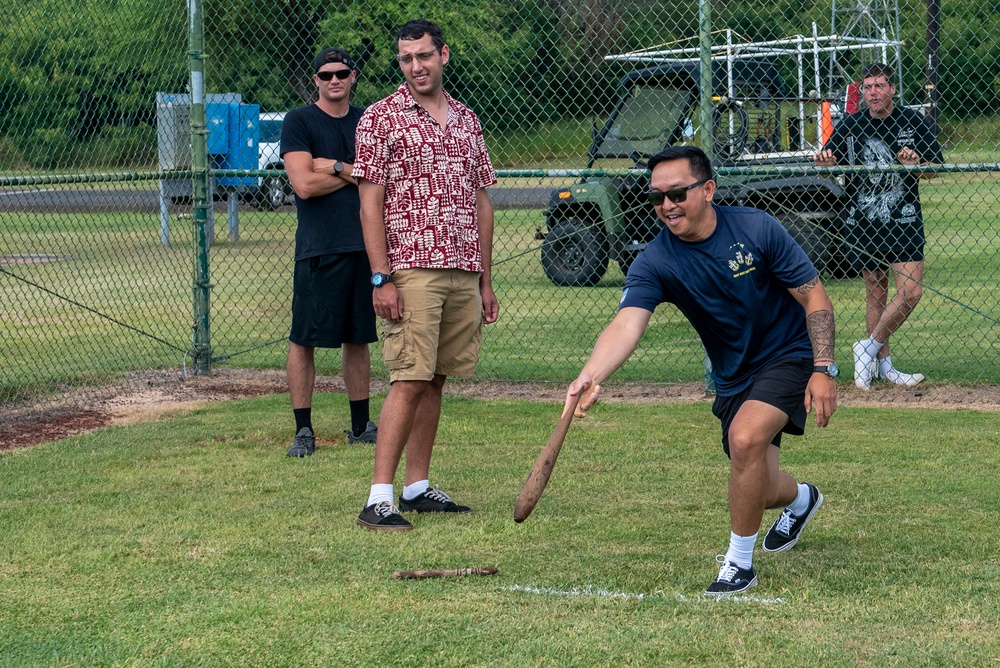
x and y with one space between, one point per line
78 77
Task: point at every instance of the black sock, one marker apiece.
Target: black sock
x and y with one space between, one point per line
359 416
303 418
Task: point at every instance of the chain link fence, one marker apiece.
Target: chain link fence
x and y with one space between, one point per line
109 270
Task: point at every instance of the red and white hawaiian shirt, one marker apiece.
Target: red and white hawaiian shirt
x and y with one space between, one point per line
431 175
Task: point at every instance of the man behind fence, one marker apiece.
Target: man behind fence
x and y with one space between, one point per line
422 170
883 225
331 305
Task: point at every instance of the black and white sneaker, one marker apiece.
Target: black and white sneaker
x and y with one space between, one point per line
383 516
304 444
785 531
434 500
732 579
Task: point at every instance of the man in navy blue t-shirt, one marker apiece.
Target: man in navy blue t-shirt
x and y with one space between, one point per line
767 324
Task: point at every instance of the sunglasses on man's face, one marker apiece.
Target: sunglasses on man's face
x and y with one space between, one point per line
675 195
328 75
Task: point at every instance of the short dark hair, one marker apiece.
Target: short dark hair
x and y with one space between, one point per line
879 70
417 28
701 166
332 55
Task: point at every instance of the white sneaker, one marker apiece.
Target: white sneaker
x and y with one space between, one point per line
864 366
889 373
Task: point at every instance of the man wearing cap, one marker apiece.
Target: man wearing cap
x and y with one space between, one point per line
331 302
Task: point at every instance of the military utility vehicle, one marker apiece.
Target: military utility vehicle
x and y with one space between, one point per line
758 121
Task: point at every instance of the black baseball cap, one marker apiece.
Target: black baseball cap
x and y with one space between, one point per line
332 55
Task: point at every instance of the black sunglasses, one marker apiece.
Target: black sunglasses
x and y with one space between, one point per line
328 75
675 195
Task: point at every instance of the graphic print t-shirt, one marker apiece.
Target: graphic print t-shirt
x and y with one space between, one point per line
883 199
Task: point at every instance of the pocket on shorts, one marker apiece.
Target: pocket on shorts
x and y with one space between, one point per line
397 343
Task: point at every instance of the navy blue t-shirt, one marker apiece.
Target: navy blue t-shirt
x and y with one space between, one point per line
328 223
733 287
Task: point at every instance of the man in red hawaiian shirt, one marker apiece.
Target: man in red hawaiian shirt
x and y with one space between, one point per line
422 171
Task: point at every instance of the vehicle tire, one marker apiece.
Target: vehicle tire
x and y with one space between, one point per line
807 233
575 253
731 127
275 192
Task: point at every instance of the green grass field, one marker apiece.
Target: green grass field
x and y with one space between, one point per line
196 542
114 265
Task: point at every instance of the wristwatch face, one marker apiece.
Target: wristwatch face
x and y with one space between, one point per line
378 280
832 370
338 167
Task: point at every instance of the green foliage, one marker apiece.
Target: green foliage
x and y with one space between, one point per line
69 69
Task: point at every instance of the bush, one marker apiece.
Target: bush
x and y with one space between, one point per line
48 148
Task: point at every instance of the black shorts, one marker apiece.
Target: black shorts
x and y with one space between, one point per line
872 246
332 301
782 385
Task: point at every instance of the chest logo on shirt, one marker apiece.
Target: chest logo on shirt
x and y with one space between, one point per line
741 262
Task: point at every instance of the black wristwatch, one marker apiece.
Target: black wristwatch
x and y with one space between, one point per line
338 168
380 279
832 370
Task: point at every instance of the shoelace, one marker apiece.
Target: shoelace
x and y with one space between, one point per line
785 523
385 508
728 570
437 494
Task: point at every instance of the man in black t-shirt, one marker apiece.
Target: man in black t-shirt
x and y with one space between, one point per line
331 302
883 225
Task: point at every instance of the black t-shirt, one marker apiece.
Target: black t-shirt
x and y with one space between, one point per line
329 223
883 199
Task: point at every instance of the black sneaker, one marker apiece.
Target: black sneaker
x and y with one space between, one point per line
383 516
367 436
432 501
304 444
732 579
785 531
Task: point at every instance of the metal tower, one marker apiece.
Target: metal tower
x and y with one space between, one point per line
865 21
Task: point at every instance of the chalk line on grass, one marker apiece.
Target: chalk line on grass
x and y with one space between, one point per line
590 590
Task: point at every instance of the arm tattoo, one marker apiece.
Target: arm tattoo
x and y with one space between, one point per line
806 287
821 334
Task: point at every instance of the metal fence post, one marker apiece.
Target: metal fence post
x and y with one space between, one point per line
705 41
201 193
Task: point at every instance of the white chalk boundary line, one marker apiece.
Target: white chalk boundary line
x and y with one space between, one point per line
590 590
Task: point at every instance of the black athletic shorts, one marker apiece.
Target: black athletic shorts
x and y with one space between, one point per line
873 247
782 385
332 301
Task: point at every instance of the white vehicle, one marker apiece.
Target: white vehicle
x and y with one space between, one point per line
274 190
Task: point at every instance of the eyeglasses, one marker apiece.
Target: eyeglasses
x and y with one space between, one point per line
424 57
328 75
675 195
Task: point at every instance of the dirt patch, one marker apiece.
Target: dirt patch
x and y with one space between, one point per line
30 258
167 395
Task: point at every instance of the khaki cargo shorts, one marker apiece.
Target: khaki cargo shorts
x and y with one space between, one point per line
442 325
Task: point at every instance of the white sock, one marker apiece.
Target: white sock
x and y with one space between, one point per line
872 346
741 550
380 492
885 366
411 492
801 502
